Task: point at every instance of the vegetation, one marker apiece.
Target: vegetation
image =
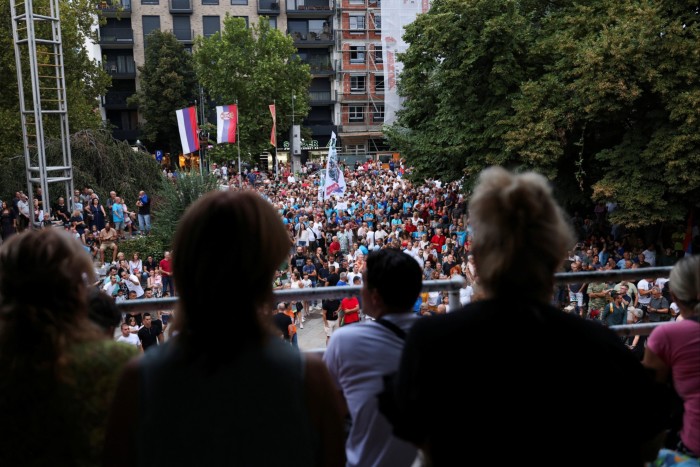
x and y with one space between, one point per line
167 83
254 66
600 96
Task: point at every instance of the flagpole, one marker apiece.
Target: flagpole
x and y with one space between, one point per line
277 164
238 140
198 139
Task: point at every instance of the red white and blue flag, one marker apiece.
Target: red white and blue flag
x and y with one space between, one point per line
189 131
226 123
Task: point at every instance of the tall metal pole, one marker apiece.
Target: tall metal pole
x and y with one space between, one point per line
202 150
238 140
201 173
277 163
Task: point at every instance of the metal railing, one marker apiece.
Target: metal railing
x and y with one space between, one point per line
452 286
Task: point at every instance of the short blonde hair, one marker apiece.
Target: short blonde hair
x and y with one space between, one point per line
520 234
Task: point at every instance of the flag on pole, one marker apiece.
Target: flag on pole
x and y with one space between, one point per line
334 183
189 130
226 123
273 134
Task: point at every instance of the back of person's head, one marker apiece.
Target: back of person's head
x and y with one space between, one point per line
520 234
103 311
44 276
685 283
396 277
238 277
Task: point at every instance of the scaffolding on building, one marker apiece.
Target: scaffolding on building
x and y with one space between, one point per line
36 33
365 28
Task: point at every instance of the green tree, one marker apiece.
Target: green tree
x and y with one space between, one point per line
254 66
85 79
593 95
167 84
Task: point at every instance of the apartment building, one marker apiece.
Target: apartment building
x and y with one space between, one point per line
339 39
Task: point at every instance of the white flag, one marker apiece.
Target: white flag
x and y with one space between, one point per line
334 183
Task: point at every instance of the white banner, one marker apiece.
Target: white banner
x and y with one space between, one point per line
396 14
334 180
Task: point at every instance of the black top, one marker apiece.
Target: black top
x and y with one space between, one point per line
495 380
330 307
149 336
282 322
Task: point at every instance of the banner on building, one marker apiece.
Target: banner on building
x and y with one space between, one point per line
226 123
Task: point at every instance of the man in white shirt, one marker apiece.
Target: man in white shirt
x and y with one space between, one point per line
128 338
132 283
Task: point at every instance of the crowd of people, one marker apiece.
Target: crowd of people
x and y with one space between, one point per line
378 396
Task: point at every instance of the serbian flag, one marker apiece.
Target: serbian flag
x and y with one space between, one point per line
273 134
187 124
226 123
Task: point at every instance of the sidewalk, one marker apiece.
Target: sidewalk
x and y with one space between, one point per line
312 337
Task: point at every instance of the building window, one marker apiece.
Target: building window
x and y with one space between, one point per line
356 113
149 2
210 25
354 149
357 23
357 54
378 58
357 84
245 18
378 114
182 28
150 24
378 83
273 22
357 2
377 23
239 2
210 2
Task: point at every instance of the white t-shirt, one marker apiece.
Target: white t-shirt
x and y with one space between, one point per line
132 339
465 295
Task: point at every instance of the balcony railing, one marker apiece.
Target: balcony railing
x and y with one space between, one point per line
184 35
115 6
180 6
121 69
123 36
315 37
320 97
321 66
117 99
268 7
310 5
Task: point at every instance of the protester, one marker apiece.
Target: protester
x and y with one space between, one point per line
673 352
521 396
58 369
359 356
241 390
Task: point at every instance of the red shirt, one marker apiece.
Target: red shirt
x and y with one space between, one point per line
438 240
349 303
166 266
334 247
410 228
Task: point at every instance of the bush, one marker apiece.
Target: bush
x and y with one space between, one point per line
146 246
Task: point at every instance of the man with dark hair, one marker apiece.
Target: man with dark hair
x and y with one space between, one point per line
150 333
359 356
103 311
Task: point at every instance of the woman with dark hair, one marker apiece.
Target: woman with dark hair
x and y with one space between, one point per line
58 371
97 214
242 388
8 222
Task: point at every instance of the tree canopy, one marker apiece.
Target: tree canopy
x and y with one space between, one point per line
255 66
167 83
602 97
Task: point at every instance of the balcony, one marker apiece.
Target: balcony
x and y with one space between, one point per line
180 7
321 98
117 38
269 7
312 39
117 100
185 36
310 8
360 128
122 69
321 67
115 8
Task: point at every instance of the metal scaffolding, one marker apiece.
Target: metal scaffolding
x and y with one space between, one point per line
36 33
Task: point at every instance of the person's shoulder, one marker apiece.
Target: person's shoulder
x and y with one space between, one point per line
103 353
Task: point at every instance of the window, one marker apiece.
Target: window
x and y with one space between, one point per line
356 113
273 22
210 25
210 2
150 24
378 83
182 28
357 54
378 114
354 149
377 22
245 18
378 58
357 2
357 84
239 2
357 23
149 2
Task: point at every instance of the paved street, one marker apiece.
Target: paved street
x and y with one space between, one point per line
312 337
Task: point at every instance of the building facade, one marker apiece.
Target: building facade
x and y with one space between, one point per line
339 39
